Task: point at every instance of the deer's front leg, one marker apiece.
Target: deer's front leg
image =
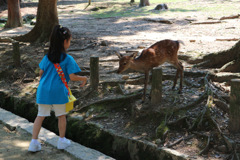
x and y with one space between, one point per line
181 76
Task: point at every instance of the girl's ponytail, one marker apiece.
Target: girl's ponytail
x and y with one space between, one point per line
58 35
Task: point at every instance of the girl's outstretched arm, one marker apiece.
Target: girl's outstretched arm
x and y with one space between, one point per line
41 73
74 77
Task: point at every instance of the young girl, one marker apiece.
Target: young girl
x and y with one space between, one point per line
51 92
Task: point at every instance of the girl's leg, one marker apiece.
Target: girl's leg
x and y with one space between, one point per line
37 126
62 123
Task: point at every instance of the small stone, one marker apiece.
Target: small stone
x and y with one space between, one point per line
28 80
222 148
103 43
161 7
136 137
28 94
144 134
141 47
125 77
33 22
2 20
158 141
189 143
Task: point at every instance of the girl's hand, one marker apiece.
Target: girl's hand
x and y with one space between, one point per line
75 77
84 81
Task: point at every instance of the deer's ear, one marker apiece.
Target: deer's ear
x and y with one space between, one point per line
119 55
134 54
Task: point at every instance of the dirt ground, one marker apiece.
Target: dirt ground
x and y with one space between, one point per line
104 36
14 145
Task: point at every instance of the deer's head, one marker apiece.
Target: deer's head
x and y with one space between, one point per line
125 62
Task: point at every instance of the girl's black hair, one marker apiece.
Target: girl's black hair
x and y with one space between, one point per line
58 35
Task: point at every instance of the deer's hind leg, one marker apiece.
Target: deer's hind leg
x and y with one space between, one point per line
179 67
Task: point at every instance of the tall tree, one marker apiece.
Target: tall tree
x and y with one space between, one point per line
144 3
47 18
14 14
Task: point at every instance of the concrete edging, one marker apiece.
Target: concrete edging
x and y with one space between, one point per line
76 150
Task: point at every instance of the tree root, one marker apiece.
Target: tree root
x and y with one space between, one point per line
232 66
225 77
6 40
192 105
205 150
178 122
221 105
81 49
125 98
179 141
230 143
217 60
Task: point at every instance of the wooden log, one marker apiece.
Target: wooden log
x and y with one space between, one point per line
160 20
234 112
6 40
231 17
206 22
227 39
94 72
156 90
16 54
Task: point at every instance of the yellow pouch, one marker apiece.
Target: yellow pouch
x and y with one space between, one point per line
71 100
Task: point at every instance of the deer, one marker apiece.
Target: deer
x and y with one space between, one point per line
154 56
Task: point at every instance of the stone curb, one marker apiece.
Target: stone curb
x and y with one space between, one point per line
76 150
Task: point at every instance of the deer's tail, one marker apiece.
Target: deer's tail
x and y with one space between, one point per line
180 41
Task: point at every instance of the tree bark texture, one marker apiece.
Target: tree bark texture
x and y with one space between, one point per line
14 14
47 18
234 112
218 60
144 3
94 72
156 90
16 54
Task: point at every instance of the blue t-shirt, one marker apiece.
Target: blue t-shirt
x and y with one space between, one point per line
51 89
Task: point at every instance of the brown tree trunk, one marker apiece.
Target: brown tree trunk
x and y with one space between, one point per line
47 18
14 14
144 3
132 1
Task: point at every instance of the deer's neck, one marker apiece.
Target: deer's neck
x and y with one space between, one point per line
138 65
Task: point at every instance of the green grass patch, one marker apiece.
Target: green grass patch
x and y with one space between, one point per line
2 25
121 11
124 8
152 1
